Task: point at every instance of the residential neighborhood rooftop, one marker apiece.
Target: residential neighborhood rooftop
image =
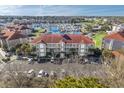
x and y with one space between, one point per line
9 35
116 36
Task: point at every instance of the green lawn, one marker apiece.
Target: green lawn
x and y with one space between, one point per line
98 38
39 32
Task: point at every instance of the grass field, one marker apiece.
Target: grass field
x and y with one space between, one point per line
39 32
98 38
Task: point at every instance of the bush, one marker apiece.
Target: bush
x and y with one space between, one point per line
86 82
6 60
12 49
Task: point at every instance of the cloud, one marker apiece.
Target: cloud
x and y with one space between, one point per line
61 10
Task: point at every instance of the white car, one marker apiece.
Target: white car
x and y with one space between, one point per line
25 58
43 73
86 60
30 60
31 73
52 59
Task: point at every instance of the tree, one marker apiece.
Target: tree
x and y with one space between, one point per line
88 28
105 27
115 73
15 77
107 56
26 49
12 49
95 51
34 48
18 51
5 47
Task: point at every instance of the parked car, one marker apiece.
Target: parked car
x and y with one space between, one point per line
94 63
30 60
25 58
31 73
43 73
86 60
52 59
53 74
35 59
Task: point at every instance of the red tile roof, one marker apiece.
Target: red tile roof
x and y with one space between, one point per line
10 35
117 36
118 55
17 27
67 38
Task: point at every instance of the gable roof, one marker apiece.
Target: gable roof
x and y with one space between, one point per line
10 35
116 36
67 38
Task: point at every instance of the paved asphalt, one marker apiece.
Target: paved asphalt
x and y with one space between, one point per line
74 69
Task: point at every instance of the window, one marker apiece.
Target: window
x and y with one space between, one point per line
41 46
42 50
67 45
82 50
74 45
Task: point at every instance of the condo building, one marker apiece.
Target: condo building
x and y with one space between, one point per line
62 44
114 41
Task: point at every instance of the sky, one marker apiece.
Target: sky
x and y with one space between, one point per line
62 10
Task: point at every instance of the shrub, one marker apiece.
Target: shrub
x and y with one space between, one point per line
85 82
6 60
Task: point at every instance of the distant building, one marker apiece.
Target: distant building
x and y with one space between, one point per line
25 30
114 41
12 38
96 28
116 28
62 44
21 28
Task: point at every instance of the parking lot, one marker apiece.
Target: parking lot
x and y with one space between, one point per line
73 69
